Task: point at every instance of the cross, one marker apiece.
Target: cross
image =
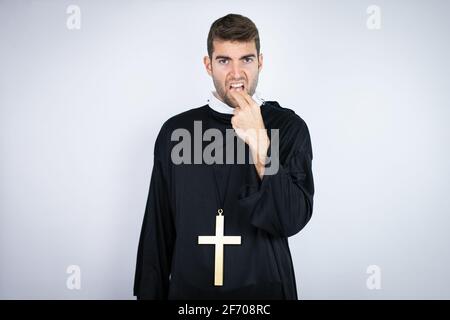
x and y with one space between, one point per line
219 240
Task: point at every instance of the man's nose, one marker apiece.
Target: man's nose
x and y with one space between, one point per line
236 70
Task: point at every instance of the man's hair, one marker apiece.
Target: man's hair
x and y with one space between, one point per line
232 27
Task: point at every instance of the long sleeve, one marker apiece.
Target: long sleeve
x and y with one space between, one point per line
282 204
156 240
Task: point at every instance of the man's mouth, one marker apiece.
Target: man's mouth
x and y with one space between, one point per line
236 86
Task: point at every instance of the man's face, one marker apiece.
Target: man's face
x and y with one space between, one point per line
234 67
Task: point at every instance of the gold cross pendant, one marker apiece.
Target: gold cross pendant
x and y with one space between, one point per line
219 240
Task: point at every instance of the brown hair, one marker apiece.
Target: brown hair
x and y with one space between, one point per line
233 27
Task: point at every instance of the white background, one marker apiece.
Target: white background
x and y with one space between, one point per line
80 111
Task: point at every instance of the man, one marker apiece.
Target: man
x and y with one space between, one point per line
218 230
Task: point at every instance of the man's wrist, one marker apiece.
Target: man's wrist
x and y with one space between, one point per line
259 154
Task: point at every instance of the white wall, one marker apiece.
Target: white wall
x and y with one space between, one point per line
80 110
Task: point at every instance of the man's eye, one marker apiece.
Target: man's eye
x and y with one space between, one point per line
248 60
223 61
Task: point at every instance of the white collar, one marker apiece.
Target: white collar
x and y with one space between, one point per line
221 107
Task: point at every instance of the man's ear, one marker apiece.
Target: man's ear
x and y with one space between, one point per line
207 63
260 61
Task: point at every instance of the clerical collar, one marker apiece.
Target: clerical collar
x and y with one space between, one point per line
221 107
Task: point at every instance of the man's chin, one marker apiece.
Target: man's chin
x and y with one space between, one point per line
231 102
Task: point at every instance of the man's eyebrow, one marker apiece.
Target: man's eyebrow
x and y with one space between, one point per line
241 58
248 56
222 57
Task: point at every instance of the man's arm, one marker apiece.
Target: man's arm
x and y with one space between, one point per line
282 203
157 237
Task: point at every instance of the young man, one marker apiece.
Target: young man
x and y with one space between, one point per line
216 227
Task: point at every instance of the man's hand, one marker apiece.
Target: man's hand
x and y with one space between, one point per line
249 126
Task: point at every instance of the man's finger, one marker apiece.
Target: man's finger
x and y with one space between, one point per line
240 99
247 98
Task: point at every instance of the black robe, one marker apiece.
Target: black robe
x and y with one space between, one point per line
182 205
